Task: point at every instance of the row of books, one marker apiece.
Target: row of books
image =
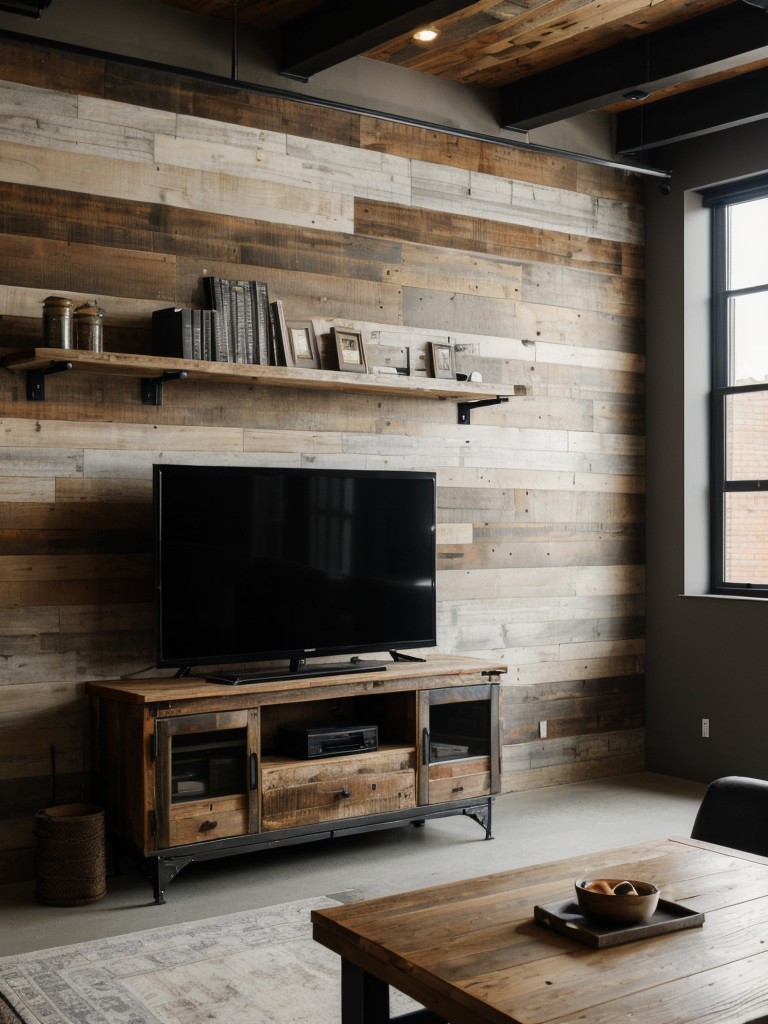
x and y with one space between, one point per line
240 325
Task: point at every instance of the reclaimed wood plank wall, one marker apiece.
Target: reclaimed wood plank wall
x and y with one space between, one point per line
127 186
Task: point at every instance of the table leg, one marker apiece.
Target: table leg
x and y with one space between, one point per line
365 1000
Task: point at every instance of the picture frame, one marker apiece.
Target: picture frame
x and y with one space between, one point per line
442 361
302 347
350 350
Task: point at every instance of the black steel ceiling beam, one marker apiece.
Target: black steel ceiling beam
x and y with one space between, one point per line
342 29
721 40
709 109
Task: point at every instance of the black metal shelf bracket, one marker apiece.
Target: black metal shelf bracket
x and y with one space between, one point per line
465 408
35 379
152 387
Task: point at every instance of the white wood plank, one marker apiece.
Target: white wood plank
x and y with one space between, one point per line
43 462
218 133
544 582
133 436
136 465
455 533
532 480
294 442
597 668
308 164
27 488
471 193
127 115
603 293
43 118
172 186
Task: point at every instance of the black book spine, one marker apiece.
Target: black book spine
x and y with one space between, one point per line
197 333
262 322
172 333
224 348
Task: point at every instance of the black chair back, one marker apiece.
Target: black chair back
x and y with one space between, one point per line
734 812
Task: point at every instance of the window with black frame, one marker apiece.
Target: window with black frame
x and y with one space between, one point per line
739 397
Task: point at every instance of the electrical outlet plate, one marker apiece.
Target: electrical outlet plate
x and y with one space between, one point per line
543 729
705 728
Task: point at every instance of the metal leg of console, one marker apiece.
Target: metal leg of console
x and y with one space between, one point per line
482 817
163 870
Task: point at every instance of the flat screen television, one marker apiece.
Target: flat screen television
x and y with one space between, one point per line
260 564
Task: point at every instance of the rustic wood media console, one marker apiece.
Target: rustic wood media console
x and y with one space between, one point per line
188 769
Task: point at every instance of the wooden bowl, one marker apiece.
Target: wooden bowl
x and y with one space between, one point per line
609 906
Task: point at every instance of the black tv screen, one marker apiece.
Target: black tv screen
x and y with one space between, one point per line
262 564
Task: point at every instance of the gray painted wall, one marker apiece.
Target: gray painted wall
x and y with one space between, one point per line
706 656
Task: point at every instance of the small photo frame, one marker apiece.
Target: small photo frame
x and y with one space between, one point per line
442 361
350 351
302 344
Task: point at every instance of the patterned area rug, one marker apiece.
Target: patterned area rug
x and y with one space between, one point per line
257 966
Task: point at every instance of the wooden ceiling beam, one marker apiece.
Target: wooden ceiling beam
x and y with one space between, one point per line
719 41
709 109
342 29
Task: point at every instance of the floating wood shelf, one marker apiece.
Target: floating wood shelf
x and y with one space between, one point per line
155 371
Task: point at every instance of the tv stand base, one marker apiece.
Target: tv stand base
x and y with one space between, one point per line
296 670
161 868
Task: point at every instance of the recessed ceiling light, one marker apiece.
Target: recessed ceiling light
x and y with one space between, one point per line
426 35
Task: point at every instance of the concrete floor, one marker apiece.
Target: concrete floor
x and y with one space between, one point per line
530 827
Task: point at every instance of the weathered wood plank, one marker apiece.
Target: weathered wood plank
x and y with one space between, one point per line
573 759
33 516
34 568
531 673
73 267
40 434
183 187
543 582
575 708
473 554
105 590
513 241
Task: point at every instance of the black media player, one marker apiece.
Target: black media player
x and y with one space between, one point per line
309 742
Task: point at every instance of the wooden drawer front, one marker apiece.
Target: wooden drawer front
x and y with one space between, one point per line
340 787
203 820
455 780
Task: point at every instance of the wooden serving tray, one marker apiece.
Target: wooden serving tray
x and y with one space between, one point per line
566 918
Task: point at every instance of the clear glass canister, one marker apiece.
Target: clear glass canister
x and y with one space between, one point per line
89 320
57 322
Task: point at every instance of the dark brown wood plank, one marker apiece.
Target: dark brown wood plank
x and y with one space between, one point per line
511 241
89 269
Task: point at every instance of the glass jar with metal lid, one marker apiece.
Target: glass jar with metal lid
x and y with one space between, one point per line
88 320
57 322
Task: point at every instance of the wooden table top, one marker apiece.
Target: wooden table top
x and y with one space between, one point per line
471 952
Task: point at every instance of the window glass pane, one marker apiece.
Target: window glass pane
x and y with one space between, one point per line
748 244
746 436
746 538
749 339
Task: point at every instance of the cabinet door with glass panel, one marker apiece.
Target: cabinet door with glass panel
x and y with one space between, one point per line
206 777
460 744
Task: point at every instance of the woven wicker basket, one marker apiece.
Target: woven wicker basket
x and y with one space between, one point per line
71 861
